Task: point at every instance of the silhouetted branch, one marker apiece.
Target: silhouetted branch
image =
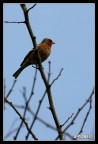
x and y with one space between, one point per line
49 73
56 77
79 110
14 22
24 95
33 38
34 80
38 118
33 121
11 89
23 6
67 120
31 7
40 102
9 133
90 107
18 130
35 116
24 121
27 103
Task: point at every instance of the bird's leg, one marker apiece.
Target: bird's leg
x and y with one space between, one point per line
37 66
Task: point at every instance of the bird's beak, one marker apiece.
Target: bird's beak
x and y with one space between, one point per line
53 43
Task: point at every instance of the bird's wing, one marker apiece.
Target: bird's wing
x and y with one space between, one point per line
27 56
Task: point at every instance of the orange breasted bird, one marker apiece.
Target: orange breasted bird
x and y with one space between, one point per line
44 49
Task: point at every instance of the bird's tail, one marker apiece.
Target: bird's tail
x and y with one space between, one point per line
16 74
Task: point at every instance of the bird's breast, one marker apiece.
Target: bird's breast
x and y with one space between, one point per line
44 53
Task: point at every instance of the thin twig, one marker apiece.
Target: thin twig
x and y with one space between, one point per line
18 130
9 133
56 77
38 118
24 94
36 114
49 73
24 121
31 7
40 102
11 89
51 103
14 22
67 120
26 103
33 38
34 80
33 121
90 107
79 110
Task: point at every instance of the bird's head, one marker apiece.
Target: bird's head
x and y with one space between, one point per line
48 41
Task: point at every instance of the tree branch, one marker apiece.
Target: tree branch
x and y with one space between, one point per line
11 89
79 110
23 6
67 120
31 7
38 118
40 102
56 77
24 121
14 22
90 107
33 38
26 103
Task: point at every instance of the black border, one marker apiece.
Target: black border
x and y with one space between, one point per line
1 61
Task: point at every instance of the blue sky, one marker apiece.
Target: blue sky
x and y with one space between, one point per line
72 28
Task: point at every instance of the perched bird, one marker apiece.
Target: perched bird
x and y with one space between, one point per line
44 49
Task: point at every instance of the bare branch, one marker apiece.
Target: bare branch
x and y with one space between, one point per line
51 102
49 73
35 77
31 7
79 110
38 118
14 22
9 133
33 38
24 121
40 102
37 111
56 77
17 132
90 107
24 94
23 6
27 103
11 89
67 120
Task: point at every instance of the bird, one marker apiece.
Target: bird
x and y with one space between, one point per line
44 49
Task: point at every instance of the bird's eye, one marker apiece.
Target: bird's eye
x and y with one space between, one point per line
50 40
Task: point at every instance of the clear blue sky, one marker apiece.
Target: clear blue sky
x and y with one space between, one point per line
72 28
